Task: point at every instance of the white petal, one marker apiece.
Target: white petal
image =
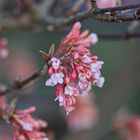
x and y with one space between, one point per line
96 76
66 91
45 138
57 75
86 59
49 82
60 81
55 81
100 82
94 38
70 92
27 126
61 74
61 99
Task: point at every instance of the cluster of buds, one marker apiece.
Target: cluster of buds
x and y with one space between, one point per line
25 127
128 127
72 69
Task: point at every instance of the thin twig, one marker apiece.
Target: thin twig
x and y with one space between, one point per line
21 84
61 22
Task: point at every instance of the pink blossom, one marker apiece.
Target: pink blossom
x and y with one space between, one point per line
105 3
56 78
70 90
55 63
75 38
100 81
55 72
74 34
59 95
86 59
84 85
72 69
66 98
26 127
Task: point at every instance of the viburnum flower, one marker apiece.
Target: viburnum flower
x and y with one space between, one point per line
72 69
128 127
25 127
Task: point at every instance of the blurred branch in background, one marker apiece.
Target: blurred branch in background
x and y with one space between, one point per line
109 14
31 15
21 84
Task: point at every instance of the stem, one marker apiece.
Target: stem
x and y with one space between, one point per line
20 84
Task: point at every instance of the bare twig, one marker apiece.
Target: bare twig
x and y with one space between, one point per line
61 22
21 84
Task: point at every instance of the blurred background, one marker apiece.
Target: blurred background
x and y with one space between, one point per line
94 115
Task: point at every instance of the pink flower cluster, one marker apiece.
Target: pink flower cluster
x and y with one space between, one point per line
72 69
128 127
25 127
